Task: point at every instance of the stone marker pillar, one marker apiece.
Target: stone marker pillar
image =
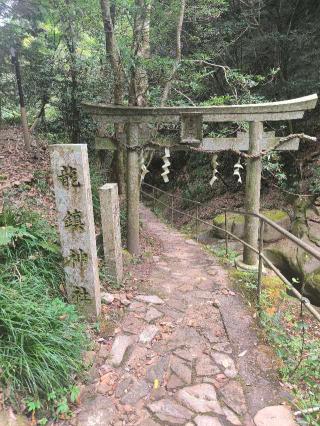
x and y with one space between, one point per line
70 169
253 185
110 220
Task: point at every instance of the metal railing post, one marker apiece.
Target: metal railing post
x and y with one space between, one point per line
261 229
197 222
226 234
171 210
154 198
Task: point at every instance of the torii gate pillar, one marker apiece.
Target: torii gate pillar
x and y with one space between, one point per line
253 186
133 189
191 119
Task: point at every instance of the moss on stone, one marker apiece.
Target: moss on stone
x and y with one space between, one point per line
231 218
312 287
272 282
274 215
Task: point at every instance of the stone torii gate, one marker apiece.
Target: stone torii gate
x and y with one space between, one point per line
142 122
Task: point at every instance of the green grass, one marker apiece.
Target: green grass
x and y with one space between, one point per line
41 336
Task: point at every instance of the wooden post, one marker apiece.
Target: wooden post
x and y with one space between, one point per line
133 189
253 185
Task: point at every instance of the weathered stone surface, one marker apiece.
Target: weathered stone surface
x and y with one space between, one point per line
132 325
152 315
96 411
206 421
157 370
103 352
137 307
206 367
138 356
215 334
152 299
222 347
119 347
110 223
183 353
274 416
181 369
226 363
8 418
123 387
103 388
232 395
202 294
148 334
169 312
71 179
200 398
231 417
136 392
148 422
107 298
185 336
175 382
169 411
177 304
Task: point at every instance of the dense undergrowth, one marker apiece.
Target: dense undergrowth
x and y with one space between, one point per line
41 337
294 338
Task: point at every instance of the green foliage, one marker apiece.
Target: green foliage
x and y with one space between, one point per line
41 182
300 358
41 336
314 186
299 355
97 181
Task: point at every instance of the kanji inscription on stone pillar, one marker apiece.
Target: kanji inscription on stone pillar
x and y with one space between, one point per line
110 220
71 179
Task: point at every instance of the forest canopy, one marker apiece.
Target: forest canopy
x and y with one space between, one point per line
207 51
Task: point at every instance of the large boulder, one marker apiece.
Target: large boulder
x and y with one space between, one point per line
295 263
235 224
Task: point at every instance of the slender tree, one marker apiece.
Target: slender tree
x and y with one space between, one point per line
113 54
16 64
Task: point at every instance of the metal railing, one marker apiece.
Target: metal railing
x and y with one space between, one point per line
259 251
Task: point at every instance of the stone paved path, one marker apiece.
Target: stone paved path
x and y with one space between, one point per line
187 352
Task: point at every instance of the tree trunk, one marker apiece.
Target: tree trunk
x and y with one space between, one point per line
168 85
71 46
139 83
16 64
113 54
38 117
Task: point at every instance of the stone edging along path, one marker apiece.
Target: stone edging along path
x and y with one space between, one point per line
187 352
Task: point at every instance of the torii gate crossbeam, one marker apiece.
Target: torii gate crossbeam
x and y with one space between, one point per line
191 120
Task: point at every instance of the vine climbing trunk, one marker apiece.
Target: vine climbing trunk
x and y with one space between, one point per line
133 189
253 185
